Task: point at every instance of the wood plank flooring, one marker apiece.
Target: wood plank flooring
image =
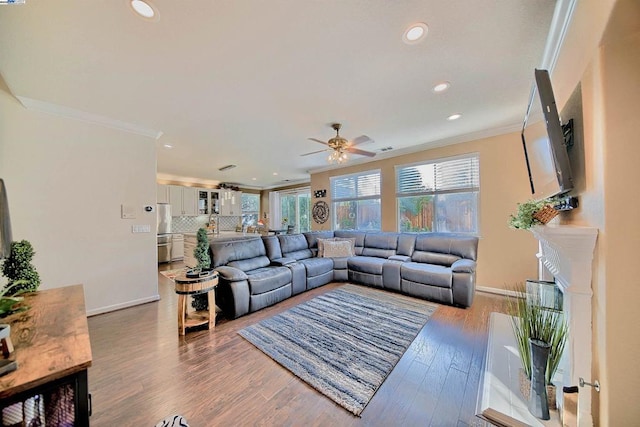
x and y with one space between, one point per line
144 371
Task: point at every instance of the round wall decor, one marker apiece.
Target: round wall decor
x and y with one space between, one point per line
320 212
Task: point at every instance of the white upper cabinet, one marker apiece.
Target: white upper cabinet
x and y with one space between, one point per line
183 200
162 194
230 203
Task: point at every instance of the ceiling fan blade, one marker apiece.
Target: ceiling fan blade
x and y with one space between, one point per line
313 152
317 140
361 152
361 140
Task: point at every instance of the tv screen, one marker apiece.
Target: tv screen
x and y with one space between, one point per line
544 145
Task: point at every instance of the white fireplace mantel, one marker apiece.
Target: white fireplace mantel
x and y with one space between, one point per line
567 253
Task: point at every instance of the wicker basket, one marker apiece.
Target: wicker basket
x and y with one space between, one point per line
546 214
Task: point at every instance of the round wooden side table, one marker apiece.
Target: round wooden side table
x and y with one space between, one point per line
205 284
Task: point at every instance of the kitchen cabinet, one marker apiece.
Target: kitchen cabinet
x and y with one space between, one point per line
177 247
162 193
189 246
183 200
230 203
208 202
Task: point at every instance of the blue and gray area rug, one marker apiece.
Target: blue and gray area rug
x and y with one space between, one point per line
343 343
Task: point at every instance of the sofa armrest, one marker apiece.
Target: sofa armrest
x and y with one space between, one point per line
403 258
283 261
463 266
231 274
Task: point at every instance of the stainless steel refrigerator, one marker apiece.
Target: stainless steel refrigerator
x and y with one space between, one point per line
164 232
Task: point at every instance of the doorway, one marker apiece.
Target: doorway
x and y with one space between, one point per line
295 206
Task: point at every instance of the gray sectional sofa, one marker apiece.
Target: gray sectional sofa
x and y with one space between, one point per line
258 272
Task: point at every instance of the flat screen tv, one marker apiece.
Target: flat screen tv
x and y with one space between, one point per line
544 145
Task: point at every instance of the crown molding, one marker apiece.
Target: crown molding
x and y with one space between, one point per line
71 113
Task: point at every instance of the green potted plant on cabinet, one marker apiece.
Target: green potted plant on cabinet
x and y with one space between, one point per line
22 277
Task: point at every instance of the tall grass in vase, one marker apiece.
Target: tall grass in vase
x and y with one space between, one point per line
532 321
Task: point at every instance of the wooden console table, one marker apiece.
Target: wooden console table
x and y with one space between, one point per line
186 286
53 353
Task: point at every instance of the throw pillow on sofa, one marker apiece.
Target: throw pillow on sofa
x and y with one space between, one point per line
338 249
321 242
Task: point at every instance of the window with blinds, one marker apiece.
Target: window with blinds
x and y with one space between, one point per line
356 201
440 195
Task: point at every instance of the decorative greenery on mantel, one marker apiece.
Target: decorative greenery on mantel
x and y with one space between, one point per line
524 219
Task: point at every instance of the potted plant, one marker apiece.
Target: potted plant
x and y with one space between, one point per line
10 300
533 212
534 324
201 253
22 275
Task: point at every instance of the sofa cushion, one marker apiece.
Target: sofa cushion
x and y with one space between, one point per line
359 236
428 274
243 254
313 236
321 243
444 248
272 246
267 279
340 263
251 263
406 244
366 264
337 248
294 246
317 266
381 245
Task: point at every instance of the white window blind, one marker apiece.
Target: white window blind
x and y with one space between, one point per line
452 175
358 186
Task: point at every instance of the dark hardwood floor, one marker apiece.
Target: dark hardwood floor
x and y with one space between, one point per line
144 371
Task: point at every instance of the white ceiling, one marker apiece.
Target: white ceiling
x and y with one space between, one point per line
246 82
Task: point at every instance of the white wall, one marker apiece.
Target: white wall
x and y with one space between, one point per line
66 180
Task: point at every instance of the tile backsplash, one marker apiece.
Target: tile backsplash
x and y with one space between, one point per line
191 224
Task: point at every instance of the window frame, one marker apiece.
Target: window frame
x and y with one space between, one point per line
434 193
244 214
355 198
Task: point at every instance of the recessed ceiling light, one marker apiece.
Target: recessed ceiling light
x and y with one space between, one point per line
254 179
168 146
455 116
144 8
275 173
415 33
441 87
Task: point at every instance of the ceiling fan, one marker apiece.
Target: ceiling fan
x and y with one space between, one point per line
342 146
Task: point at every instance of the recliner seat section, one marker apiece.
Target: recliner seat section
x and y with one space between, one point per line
442 268
376 250
319 271
247 280
260 272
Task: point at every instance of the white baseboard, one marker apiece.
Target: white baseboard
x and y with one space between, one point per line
498 291
120 306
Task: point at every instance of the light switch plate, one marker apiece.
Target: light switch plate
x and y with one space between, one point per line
144 228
